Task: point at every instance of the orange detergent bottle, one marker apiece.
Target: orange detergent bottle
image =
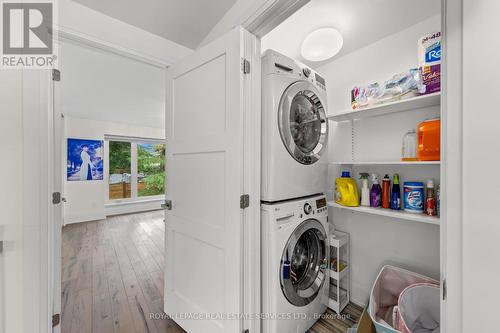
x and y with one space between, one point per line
429 146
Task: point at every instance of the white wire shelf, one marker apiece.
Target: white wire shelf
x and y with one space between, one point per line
386 163
410 104
397 214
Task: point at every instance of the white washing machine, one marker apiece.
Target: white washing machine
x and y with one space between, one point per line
294 129
295 278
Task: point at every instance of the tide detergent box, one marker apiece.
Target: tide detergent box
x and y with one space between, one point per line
429 60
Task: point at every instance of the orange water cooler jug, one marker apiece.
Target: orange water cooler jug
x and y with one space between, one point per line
429 140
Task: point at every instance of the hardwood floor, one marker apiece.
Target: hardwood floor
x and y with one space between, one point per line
112 278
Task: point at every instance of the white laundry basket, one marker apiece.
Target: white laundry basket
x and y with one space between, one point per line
384 297
418 309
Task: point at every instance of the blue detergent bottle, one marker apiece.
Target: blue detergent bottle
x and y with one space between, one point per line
396 193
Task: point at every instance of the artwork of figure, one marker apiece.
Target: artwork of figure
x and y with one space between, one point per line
85 160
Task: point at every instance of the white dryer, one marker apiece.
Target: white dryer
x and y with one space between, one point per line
295 278
294 129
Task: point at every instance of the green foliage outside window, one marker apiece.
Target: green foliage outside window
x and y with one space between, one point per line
150 169
119 157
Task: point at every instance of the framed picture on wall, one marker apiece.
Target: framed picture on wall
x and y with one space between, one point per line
85 160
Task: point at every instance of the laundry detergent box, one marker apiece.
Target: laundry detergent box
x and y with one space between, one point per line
429 60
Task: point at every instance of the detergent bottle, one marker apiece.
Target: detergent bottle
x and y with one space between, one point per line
375 192
365 191
346 191
386 192
396 193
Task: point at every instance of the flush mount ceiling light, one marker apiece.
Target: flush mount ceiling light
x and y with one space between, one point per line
322 44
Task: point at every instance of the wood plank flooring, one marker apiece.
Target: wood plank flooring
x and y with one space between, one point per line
112 278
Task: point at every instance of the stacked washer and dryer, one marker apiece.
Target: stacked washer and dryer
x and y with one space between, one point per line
294 214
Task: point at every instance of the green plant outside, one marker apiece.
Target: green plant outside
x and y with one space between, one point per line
119 157
151 164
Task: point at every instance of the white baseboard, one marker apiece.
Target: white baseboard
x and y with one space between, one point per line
70 219
133 207
116 209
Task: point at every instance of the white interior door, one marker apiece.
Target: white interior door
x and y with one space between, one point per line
207 171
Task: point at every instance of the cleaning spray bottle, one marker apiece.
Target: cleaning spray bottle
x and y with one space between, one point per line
396 193
365 191
375 192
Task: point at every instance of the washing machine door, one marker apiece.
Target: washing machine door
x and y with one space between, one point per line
302 122
304 263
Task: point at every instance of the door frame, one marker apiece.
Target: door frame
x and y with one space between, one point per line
38 185
451 168
49 101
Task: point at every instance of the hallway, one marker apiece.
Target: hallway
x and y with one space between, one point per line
112 276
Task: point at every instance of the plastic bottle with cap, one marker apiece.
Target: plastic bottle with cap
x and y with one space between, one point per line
395 193
346 190
430 199
365 191
375 192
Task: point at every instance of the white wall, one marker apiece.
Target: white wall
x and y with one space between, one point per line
481 161
376 241
86 199
101 85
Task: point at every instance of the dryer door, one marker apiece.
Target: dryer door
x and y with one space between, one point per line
304 263
302 122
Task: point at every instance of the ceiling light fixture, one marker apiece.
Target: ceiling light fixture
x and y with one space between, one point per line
322 44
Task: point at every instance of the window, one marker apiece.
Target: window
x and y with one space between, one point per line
136 168
150 169
119 170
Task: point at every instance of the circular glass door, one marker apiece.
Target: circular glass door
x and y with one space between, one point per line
303 263
302 122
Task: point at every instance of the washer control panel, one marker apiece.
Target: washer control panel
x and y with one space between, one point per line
291 211
312 207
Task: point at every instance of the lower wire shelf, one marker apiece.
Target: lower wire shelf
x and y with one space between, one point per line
397 214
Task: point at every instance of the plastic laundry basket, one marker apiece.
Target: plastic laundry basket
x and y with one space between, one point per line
418 309
390 283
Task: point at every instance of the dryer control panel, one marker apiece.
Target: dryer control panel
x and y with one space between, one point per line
276 63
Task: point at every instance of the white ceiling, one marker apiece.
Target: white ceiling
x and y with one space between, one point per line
104 86
361 22
185 22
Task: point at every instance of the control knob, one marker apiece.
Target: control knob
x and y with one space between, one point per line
307 208
306 71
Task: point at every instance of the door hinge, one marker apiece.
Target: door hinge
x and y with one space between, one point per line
56 75
56 198
246 331
244 201
1 247
167 205
444 289
245 66
56 319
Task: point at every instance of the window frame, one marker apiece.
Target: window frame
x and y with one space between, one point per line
134 141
